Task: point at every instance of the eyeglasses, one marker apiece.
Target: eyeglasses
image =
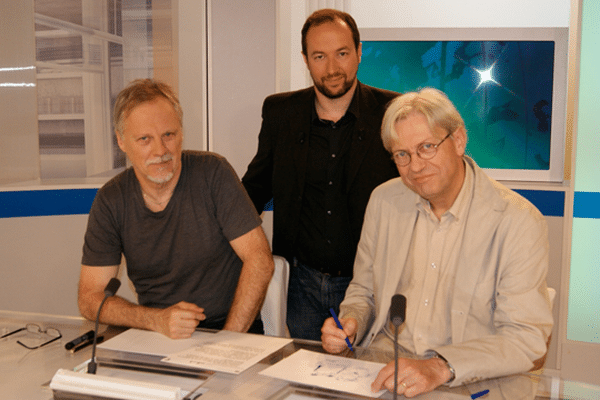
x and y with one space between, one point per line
426 151
36 329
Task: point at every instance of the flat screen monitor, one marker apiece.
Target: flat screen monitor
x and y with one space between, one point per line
509 85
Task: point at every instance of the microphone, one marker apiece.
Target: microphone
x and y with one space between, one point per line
397 316
110 290
398 309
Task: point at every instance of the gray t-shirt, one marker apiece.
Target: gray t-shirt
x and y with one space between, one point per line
181 253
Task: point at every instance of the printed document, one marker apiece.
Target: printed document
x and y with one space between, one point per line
222 351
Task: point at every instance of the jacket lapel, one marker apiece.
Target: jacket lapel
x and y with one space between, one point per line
387 273
366 133
299 132
486 208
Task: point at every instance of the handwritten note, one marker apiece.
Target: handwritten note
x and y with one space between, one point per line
327 371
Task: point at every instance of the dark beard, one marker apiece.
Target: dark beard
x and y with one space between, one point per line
334 95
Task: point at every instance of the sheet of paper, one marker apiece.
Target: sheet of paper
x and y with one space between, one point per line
427 396
437 395
227 351
151 343
327 371
220 351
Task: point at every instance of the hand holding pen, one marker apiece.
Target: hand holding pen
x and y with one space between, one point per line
334 341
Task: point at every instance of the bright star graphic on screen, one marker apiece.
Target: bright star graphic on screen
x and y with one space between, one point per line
485 76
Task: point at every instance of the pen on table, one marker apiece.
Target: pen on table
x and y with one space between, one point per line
83 338
339 325
86 344
479 394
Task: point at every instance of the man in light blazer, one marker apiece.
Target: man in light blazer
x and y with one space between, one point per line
469 254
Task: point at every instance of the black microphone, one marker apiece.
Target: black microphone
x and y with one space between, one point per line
398 309
397 316
110 290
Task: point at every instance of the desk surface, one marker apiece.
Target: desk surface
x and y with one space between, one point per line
25 374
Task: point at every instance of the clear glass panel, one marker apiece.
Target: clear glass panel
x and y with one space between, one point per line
86 52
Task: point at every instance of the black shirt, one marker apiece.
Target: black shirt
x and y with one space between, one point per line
324 242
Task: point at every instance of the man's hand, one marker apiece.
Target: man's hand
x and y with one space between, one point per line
334 338
414 376
180 320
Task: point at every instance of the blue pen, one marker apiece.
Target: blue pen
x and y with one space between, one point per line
479 394
339 325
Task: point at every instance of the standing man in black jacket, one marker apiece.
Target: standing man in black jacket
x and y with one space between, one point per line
319 157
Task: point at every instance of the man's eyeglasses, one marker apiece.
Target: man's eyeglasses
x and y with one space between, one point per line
425 150
36 329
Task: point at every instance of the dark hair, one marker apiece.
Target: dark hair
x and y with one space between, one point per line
329 15
140 91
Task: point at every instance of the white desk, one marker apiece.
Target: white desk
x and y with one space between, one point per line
23 371
25 374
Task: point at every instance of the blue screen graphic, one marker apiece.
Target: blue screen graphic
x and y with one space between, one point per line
502 89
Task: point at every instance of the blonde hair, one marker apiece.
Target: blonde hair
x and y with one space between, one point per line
432 103
140 91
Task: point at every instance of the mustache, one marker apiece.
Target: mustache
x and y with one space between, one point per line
159 160
336 75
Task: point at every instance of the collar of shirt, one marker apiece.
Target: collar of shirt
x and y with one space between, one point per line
351 112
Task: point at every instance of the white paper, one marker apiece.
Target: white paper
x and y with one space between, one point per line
438 395
227 351
223 351
150 343
426 396
327 371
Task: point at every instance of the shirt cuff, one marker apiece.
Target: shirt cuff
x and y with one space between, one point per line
435 354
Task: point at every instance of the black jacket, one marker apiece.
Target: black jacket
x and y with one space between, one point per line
278 169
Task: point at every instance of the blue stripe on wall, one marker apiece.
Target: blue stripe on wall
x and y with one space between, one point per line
37 203
586 205
550 203
78 201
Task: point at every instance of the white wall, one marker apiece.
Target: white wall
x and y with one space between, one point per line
460 13
41 257
241 75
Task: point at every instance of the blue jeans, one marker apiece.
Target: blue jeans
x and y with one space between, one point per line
310 296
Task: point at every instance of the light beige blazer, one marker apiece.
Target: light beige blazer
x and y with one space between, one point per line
500 311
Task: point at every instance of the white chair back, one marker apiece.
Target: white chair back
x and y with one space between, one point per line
274 309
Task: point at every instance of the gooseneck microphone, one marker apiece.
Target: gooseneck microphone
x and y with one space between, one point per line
398 309
110 290
397 316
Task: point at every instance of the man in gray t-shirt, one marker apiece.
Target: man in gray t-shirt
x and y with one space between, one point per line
192 241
